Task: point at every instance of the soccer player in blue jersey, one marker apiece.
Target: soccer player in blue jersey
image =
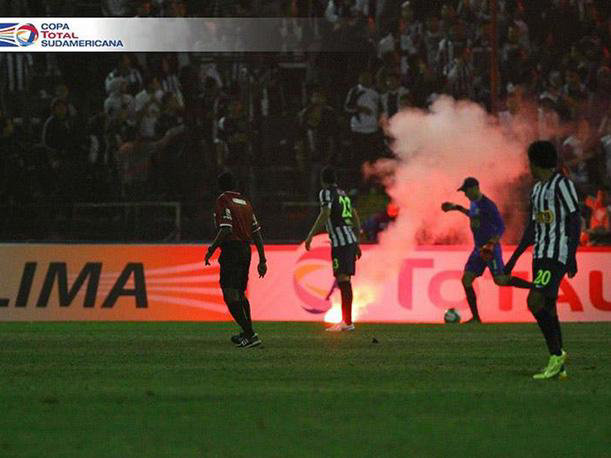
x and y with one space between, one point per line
487 227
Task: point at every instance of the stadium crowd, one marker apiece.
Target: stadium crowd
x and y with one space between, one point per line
160 127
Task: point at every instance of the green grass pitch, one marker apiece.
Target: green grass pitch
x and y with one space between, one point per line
182 390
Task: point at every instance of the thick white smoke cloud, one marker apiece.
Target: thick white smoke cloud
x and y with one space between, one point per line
434 151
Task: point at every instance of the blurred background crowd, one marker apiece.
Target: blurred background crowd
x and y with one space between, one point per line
127 146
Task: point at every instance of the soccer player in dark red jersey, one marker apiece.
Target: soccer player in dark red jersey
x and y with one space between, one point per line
237 227
343 226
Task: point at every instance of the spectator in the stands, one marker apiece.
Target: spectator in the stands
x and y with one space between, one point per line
233 143
16 72
144 8
58 134
318 137
13 173
126 69
461 76
363 104
116 8
548 119
168 77
513 55
176 8
119 103
168 163
147 105
391 98
62 91
574 93
66 156
135 160
575 153
432 38
213 104
599 98
599 227
452 47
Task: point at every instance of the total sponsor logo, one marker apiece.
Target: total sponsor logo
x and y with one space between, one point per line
428 283
14 35
49 35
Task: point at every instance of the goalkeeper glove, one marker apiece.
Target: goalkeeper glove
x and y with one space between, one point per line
486 251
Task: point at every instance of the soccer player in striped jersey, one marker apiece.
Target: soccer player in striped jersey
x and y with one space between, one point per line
343 226
554 231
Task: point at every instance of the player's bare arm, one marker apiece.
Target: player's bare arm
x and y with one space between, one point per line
319 224
449 206
221 236
573 234
262 267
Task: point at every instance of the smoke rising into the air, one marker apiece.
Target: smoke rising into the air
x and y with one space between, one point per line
434 151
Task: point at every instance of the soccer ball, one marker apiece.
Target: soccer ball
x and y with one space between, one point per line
451 316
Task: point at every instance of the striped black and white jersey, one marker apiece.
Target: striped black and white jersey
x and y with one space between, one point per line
552 202
339 224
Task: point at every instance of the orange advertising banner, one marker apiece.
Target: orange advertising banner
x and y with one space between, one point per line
48 282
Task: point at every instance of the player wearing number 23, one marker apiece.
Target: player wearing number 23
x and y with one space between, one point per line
343 226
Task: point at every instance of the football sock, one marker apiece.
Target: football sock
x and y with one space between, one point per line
346 289
472 300
550 305
237 312
519 283
246 307
548 327
558 331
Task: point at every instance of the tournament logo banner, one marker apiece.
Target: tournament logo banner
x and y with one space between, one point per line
168 35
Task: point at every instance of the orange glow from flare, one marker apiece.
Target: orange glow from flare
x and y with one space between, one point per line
362 297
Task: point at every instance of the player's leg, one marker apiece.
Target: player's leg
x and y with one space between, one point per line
542 304
550 305
496 267
244 270
345 286
233 299
231 279
474 268
344 259
249 338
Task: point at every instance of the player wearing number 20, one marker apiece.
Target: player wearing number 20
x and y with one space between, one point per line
343 226
554 231
487 227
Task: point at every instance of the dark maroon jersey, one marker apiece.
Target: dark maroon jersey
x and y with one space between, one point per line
232 210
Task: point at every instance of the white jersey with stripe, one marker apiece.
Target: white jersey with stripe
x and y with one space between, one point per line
552 202
339 224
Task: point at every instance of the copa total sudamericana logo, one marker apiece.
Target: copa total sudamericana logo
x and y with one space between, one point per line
50 35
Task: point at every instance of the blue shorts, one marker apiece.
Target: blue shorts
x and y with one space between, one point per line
477 265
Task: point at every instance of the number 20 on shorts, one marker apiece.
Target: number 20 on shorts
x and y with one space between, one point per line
543 277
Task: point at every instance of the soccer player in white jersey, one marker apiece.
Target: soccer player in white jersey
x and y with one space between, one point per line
343 226
554 231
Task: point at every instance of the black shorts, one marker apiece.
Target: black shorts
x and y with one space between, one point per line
235 264
343 259
547 275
